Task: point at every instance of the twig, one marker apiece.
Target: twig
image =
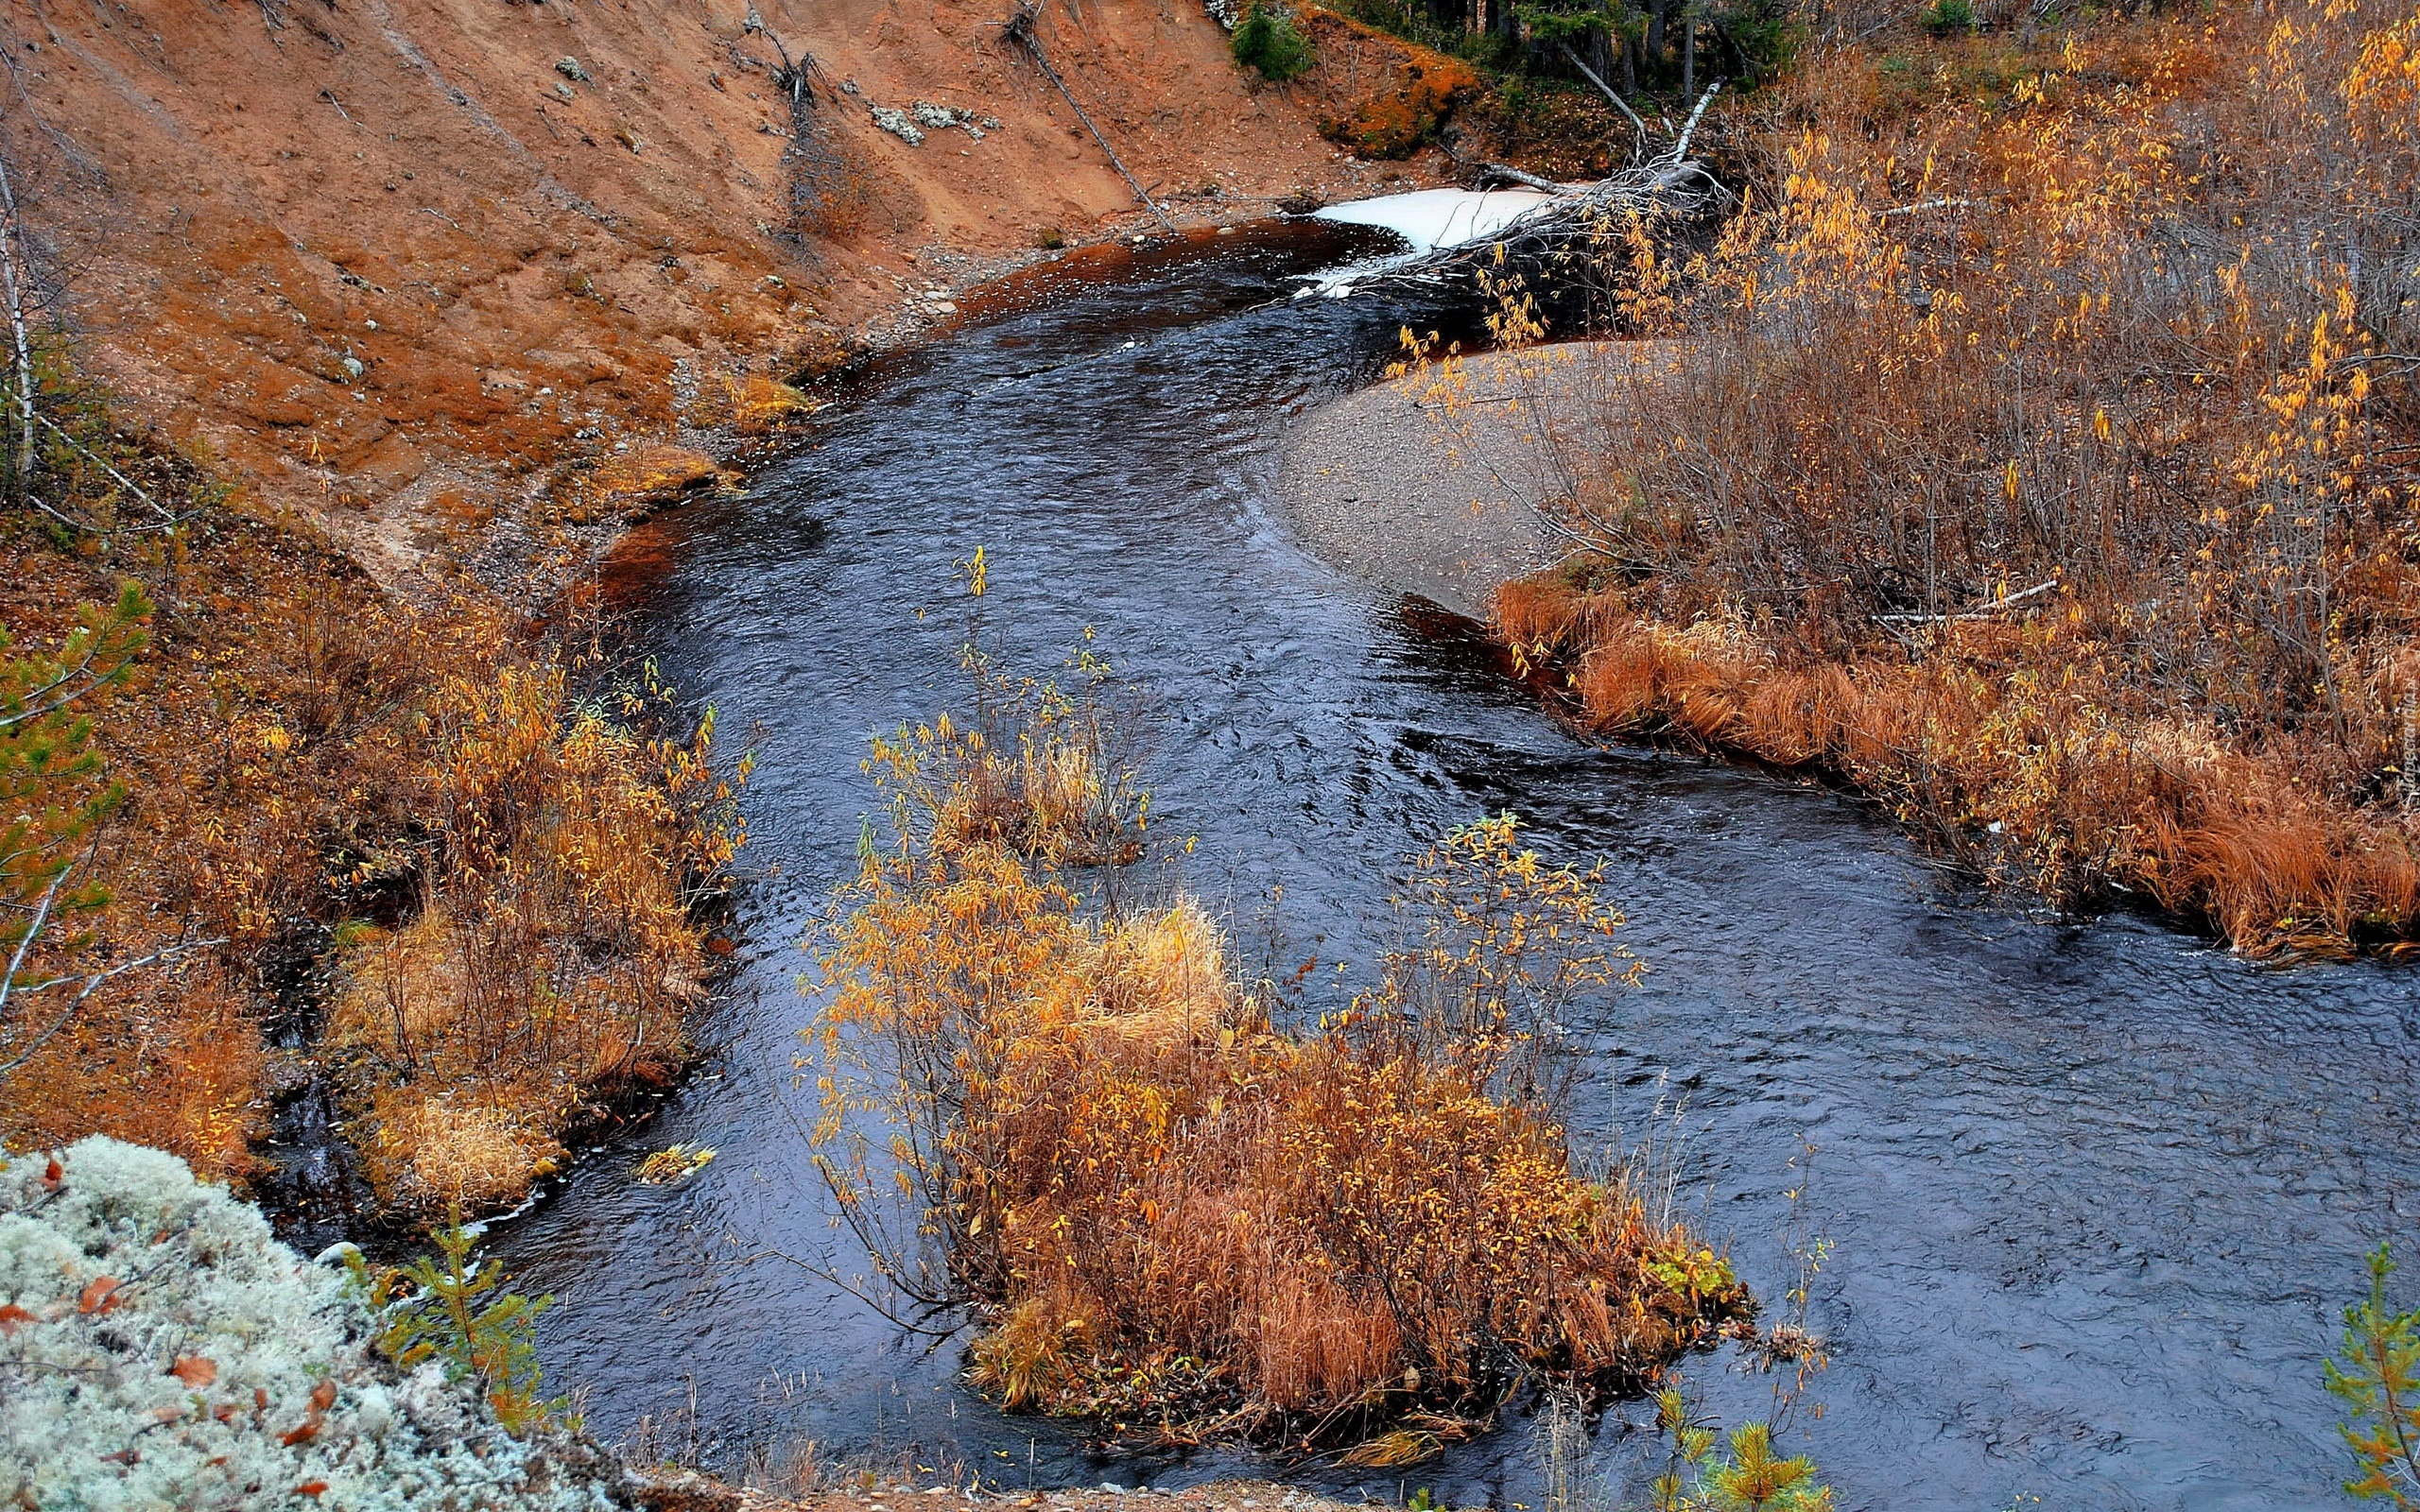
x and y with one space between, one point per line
90 528
825 1273
1922 205
91 985
103 463
330 95
1982 613
1018 28
1513 175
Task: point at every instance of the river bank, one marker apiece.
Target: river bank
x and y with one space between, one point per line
417 275
1438 480
1222 1496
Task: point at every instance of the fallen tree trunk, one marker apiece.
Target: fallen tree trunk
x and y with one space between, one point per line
1672 187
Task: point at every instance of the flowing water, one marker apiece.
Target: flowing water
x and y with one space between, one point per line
2095 1189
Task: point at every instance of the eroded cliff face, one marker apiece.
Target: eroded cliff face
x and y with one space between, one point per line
411 264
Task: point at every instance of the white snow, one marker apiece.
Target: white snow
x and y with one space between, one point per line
1430 219
1427 219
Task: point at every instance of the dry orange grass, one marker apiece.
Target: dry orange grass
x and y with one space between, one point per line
627 482
2044 458
1169 1210
306 755
554 952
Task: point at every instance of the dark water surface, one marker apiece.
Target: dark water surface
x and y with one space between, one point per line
2097 1189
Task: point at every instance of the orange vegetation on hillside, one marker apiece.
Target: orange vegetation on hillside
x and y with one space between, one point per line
1168 1208
1407 96
2039 451
460 830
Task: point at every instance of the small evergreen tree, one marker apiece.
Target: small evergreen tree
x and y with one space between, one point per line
1268 40
2379 1381
54 796
1745 1474
439 1307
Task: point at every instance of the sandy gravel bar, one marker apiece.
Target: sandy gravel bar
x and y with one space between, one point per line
1430 484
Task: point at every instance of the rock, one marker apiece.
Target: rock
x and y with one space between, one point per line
941 117
898 125
675 1490
569 68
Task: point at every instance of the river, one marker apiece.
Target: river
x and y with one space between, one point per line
2095 1189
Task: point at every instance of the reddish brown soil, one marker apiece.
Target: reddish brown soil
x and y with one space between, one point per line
248 198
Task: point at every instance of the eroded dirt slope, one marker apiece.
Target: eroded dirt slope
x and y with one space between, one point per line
408 263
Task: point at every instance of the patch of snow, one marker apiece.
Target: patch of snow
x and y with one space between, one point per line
1425 220
1430 219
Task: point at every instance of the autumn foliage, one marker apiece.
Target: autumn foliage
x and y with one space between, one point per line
457 860
2036 451
1169 1208
554 950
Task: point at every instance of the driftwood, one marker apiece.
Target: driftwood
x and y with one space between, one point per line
1018 28
1670 186
1981 612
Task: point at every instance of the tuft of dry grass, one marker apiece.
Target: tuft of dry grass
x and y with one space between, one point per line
2039 451
627 482
554 950
1169 1208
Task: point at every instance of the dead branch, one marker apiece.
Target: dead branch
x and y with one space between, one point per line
92 984
1680 148
1018 28
1982 611
795 77
1639 148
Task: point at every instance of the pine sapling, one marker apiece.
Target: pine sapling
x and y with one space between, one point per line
438 1307
2378 1380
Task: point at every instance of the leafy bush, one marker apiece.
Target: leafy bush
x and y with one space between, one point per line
1268 42
158 1347
1912 490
